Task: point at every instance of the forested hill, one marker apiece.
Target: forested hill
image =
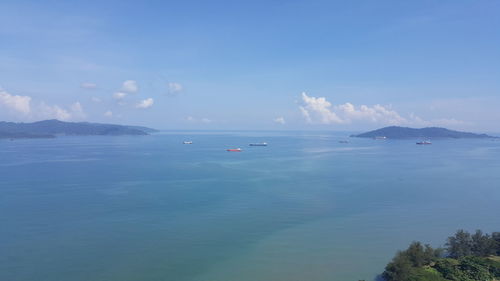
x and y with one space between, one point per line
395 132
53 128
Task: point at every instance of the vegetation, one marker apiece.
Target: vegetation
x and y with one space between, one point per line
467 257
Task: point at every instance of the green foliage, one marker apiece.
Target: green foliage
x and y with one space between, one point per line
483 245
479 244
469 259
493 264
496 237
459 245
415 256
447 267
399 268
465 269
425 274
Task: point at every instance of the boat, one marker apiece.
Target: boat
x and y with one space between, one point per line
258 144
187 142
380 138
234 149
424 142
343 141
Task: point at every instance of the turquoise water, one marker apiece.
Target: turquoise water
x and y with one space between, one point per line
306 207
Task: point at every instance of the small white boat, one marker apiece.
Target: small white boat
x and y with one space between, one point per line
258 144
424 142
380 138
187 142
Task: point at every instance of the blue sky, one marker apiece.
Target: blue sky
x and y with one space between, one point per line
339 65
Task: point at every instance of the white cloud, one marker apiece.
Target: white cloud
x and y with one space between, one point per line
88 85
45 111
18 104
374 114
145 103
119 95
320 111
95 99
174 88
305 113
280 120
198 120
108 113
23 108
74 113
77 112
130 86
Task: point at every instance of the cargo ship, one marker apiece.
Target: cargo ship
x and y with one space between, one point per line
258 144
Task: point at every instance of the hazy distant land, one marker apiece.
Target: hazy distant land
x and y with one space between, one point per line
395 132
53 128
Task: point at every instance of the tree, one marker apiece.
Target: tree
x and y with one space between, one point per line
431 254
416 255
473 268
448 268
399 269
468 260
459 245
496 237
482 244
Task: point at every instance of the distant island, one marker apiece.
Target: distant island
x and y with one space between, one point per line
53 128
395 132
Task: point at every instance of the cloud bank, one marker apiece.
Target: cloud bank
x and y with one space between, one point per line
22 108
18 104
317 110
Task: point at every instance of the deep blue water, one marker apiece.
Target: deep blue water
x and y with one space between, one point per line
306 207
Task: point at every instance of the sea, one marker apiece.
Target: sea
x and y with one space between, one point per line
304 208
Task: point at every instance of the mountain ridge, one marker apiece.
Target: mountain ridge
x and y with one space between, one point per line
52 128
396 132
